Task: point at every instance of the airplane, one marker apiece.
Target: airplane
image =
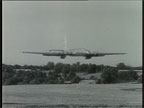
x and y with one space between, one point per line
66 52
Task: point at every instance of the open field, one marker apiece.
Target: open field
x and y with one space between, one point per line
73 96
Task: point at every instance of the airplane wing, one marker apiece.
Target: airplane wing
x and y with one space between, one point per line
103 54
111 53
61 54
36 52
96 54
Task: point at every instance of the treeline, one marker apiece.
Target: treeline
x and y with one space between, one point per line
59 73
77 66
111 75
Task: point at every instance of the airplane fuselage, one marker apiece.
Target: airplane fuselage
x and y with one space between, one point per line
63 54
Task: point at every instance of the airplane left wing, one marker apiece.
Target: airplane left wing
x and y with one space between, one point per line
35 52
61 54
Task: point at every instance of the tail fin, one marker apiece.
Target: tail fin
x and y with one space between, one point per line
65 47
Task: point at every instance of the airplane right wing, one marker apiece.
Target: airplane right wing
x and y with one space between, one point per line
88 56
111 53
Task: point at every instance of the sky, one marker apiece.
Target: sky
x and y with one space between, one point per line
101 26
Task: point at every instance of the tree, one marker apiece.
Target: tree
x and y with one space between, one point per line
121 66
17 66
128 75
7 73
58 67
109 75
83 67
49 66
91 68
65 71
73 68
99 68
71 75
76 79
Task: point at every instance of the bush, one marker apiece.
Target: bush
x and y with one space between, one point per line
128 75
109 75
76 80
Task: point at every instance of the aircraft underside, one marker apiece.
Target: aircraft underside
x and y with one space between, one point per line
73 52
62 54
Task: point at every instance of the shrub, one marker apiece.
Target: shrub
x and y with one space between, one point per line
109 75
128 75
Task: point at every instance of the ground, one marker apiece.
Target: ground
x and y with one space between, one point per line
73 96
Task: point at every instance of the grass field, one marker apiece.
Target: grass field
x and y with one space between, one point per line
73 96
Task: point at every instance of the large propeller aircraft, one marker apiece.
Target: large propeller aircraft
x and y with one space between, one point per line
63 53
73 52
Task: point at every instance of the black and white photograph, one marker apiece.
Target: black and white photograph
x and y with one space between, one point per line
72 54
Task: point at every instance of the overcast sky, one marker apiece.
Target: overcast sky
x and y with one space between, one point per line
103 26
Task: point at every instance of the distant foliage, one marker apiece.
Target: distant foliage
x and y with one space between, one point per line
140 79
7 74
121 66
109 75
76 79
60 73
91 68
128 75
